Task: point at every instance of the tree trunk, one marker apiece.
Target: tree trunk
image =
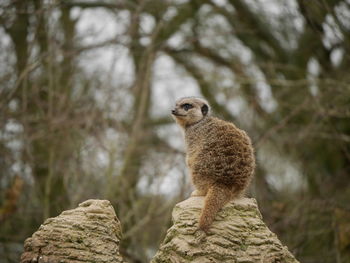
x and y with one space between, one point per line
92 232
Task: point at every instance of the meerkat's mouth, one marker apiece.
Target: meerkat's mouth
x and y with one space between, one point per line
173 112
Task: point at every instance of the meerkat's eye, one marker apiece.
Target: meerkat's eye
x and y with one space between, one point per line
186 106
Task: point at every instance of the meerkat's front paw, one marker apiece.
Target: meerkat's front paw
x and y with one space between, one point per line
197 193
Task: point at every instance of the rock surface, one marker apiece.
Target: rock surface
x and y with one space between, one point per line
92 233
89 233
238 235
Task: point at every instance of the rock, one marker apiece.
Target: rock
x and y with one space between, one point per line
238 235
92 232
88 233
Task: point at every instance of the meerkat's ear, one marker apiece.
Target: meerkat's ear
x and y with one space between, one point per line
205 109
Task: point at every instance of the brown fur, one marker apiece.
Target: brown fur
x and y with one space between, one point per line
220 157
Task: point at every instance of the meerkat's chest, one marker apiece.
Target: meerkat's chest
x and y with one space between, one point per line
194 147
191 155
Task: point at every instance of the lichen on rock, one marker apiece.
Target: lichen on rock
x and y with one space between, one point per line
88 233
238 235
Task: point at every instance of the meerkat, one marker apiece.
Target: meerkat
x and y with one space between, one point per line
220 156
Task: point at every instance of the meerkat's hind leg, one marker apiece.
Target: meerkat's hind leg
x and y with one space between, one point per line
218 195
201 186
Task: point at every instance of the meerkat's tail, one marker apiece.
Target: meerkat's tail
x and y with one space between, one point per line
216 198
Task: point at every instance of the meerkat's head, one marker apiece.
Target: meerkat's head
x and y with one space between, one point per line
190 110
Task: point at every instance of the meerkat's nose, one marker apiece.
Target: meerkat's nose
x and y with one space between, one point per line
173 111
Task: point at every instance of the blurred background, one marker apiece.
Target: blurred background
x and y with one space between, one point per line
86 89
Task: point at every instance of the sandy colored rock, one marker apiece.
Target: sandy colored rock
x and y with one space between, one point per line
88 233
238 235
92 232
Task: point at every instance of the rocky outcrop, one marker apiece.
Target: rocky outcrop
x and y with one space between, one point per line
238 235
92 232
89 233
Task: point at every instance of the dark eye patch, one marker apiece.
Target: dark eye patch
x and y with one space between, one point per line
187 106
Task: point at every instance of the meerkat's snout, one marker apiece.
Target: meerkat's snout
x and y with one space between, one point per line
176 113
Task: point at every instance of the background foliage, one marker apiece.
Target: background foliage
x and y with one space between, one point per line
87 88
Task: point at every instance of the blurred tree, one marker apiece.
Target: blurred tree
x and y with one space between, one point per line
279 69
44 120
